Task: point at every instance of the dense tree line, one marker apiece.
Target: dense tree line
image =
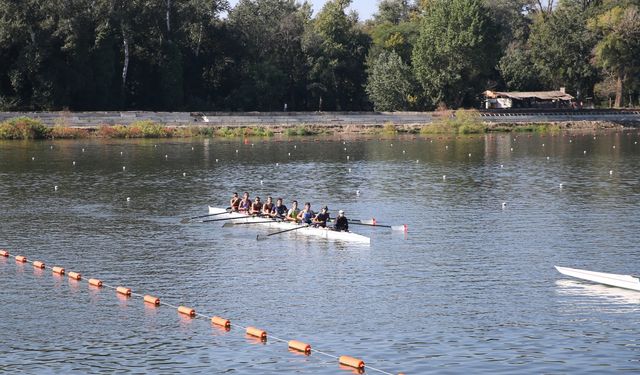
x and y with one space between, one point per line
262 54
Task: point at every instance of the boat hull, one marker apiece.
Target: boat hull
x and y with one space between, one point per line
611 279
309 231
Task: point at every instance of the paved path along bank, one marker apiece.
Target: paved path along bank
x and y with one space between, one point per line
326 119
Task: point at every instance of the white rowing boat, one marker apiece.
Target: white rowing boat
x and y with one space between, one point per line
281 225
611 279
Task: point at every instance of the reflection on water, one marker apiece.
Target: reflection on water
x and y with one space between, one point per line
470 288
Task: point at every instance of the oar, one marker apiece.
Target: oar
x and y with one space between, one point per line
225 225
266 236
223 219
402 227
187 219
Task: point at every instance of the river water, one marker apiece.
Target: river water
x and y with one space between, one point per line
470 288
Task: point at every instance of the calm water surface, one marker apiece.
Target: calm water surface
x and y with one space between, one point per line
470 288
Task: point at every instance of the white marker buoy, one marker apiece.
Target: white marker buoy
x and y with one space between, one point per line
123 168
403 151
548 158
610 172
543 145
55 188
511 149
184 174
128 199
584 152
358 192
83 150
349 170
614 146
446 147
560 186
192 148
469 154
260 182
166 156
33 158
277 164
347 157
74 163
216 160
51 147
237 151
504 205
444 177
295 147
121 152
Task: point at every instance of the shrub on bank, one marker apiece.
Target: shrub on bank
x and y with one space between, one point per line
459 122
23 128
299 131
67 132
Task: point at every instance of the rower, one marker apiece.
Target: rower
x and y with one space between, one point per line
245 203
292 214
306 214
320 220
234 202
256 207
279 211
342 224
267 207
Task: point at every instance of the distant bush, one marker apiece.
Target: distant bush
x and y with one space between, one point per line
147 129
23 128
538 128
459 122
299 131
67 132
389 128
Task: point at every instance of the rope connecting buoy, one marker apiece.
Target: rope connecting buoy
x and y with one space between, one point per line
74 275
351 362
4 253
300 346
95 282
38 264
222 322
255 332
21 259
58 270
187 311
152 300
124 291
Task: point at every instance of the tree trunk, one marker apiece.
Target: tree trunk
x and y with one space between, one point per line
168 18
125 65
619 81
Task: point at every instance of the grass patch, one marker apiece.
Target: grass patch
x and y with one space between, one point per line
389 128
299 131
67 132
537 128
459 122
23 128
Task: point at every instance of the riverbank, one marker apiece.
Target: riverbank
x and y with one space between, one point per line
447 122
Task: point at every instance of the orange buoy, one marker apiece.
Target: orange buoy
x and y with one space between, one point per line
124 291
255 332
187 311
351 362
300 346
21 258
4 253
221 322
58 270
38 264
75 275
95 282
152 300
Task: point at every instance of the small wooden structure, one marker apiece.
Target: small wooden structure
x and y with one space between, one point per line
528 99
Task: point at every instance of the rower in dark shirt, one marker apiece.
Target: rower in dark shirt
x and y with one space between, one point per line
320 220
267 207
234 202
256 207
279 211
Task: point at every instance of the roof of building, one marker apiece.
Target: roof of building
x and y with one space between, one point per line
521 95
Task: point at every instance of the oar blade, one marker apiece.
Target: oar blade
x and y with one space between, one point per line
185 220
402 227
227 225
261 237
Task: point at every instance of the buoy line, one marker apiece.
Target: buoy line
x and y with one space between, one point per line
226 324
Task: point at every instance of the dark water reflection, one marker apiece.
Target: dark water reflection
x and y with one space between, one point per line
470 288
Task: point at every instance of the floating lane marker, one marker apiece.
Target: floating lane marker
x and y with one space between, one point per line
152 300
351 362
221 322
187 311
124 291
74 276
58 270
300 346
95 282
4 253
21 259
255 332
38 264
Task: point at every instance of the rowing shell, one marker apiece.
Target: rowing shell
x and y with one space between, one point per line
611 279
308 231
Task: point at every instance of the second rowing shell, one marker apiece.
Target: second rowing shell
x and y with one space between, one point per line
309 231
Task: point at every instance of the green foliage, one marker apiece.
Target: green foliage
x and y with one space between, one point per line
299 131
391 86
537 128
23 128
458 122
455 52
517 69
67 132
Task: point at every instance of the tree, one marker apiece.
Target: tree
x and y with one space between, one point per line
618 49
560 45
337 48
517 69
455 52
390 85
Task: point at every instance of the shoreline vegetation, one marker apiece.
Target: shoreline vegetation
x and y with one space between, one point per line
459 122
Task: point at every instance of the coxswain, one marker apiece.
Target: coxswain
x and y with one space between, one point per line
234 202
279 211
256 207
245 203
342 224
306 215
292 214
267 207
320 220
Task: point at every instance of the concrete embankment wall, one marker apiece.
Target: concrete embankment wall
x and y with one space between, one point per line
328 119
